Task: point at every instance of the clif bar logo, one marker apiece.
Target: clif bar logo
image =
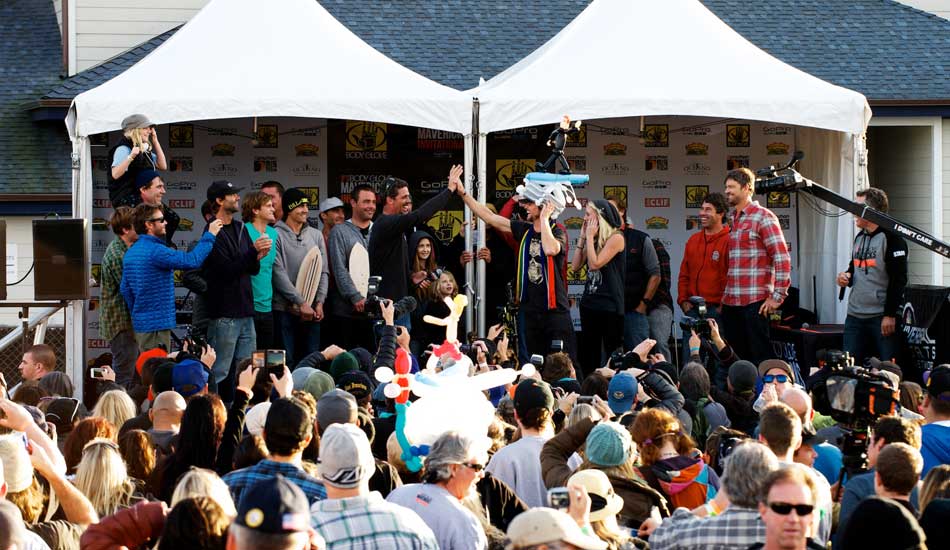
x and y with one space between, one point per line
181 203
656 202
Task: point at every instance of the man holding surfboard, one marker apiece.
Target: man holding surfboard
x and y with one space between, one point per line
300 278
349 261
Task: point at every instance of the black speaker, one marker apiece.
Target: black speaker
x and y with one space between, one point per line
60 269
3 254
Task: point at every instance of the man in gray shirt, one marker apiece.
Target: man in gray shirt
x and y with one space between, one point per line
877 276
347 302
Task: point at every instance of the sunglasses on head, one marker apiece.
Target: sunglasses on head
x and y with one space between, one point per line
780 378
784 508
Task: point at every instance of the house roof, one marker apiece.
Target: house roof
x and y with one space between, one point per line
34 157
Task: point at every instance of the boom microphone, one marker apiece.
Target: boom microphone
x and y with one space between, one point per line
404 306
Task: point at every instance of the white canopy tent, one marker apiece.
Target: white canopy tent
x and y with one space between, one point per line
622 58
248 58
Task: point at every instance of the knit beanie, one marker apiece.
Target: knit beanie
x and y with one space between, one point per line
292 198
609 444
300 376
742 375
318 383
343 363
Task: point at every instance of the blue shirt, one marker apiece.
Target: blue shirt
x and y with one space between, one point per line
262 284
935 444
239 480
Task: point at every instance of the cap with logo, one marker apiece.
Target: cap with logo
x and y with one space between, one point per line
622 392
545 525
330 204
135 121
356 383
274 505
293 198
222 188
346 458
938 383
189 377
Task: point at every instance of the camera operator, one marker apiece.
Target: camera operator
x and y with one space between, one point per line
759 270
388 249
651 386
704 266
877 276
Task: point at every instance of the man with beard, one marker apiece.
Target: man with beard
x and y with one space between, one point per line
230 298
151 190
347 303
759 271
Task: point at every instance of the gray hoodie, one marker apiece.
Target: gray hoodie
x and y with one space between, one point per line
291 250
343 237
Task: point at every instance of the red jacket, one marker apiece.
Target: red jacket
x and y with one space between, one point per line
704 267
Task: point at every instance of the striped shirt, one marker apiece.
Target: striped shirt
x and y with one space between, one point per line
736 528
369 522
759 262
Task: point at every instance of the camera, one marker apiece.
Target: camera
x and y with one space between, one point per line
372 297
557 346
699 324
435 274
559 498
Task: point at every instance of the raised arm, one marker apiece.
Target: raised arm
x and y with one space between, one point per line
482 211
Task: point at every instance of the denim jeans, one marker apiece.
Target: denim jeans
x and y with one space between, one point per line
636 328
660 319
293 331
232 340
124 353
863 339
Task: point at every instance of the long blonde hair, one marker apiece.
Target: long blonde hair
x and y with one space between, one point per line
199 482
102 477
604 229
135 134
115 406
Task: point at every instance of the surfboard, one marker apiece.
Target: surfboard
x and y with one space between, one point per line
308 276
571 179
359 268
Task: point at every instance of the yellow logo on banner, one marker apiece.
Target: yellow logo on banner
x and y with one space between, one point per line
618 193
97 273
776 148
658 222
574 222
615 149
222 150
186 225
737 135
697 148
313 196
695 195
307 150
100 224
178 277
656 135
578 277
509 173
366 136
446 225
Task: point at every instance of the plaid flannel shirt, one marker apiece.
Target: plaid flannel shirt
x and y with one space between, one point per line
113 312
238 480
759 262
368 521
736 528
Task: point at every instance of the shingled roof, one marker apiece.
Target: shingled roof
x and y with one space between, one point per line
34 157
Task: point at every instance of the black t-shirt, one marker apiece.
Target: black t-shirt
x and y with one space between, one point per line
539 278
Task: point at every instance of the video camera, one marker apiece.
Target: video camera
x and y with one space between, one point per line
700 323
853 396
404 305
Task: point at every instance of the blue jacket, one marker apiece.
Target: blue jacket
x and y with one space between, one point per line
935 445
148 283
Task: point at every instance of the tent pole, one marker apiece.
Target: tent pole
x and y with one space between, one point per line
482 193
76 310
469 162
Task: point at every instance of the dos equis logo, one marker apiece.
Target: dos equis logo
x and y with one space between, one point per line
509 173
366 140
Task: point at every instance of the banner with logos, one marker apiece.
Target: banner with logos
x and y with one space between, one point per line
291 151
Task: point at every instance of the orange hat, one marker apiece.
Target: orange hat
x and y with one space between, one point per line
146 355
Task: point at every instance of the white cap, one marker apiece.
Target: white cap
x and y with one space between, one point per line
544 525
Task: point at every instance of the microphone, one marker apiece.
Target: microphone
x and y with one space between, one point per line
404 305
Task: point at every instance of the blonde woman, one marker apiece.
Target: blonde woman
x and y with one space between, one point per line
600 249
102 477
138 150
198 482
115 406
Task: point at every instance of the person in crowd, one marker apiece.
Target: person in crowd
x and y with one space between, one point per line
812 446
297 318
601 247
732 519
115 322
352 516
198 482
669 461
605 505
777 376
758 277
451 470
287 433
549 529
426 334
228 269
138 453
660 308
38 361
115 406
103 478
882 523
541 287
656 378
388 248
706 413
877 275
518 464
897 474
349 299
57 384
274 190
912 396
197 523
151 190
422 263
935 434
704 266
780 428
787 502
137 151
273 515
147 276
331 215
94 427
558 371
166 414
257 212
935 486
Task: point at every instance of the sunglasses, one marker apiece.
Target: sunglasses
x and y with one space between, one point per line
158 220
784 508
475 466
780 378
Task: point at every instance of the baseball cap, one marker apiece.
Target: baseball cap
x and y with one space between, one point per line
288 422
356 383
135 121
345 456
622 392
604 501
545 525
17 469
769 364
222 188
274 505
145 177
532 394
330 204
189 377
256 417
886 366
336 407
938 382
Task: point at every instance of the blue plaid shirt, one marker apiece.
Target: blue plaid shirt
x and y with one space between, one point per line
239 480
368 521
